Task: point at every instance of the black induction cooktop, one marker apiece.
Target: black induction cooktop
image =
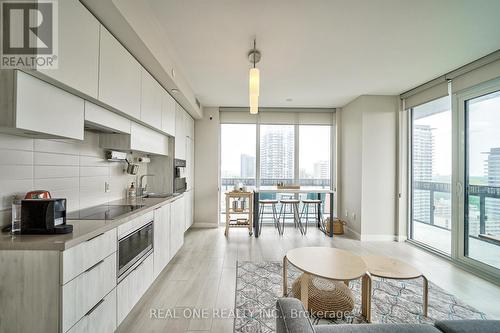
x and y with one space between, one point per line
102 212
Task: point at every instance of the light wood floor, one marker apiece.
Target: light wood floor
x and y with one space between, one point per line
203 275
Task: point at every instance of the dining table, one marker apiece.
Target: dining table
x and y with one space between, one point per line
295 191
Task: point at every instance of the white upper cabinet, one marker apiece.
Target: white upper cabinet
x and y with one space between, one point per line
98 117
31 106
189 126
147 140
119 76
78 49
151 101
168 114
180 132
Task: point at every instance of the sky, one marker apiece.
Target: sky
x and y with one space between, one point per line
240 139
484 133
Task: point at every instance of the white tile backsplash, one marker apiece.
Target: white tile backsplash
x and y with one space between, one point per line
71 169
16 157
55 159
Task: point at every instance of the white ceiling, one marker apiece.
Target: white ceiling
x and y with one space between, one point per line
323 53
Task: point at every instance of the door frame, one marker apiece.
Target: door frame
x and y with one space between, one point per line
459 129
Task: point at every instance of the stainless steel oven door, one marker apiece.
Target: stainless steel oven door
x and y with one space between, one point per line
134 248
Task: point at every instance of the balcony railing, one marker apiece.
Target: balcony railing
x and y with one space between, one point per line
482 192
324 183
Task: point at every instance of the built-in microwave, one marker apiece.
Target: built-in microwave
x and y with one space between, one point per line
133 249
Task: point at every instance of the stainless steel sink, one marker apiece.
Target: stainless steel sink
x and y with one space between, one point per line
158 195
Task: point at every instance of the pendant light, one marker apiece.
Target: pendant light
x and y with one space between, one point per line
254 80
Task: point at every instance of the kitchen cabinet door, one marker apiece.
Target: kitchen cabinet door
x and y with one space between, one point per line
189 163
161 238
168 114
189 208
132 287
147 140
177 225
189 126
102 118
119 76
102 319
78 49
180 132
151 101
41 107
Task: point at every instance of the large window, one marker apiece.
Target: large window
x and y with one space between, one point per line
279 148
314 156
238 163
277 154
431 174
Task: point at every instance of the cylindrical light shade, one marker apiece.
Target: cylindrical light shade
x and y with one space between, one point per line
254 104
254 81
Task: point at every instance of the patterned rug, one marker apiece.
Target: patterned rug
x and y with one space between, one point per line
258 285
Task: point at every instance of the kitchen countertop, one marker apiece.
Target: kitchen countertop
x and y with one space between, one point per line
82 229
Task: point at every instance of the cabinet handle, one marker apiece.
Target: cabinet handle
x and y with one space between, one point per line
94 266
91 238
94 307
138 265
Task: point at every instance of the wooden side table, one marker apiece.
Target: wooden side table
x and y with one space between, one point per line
244 215
328 263
391 268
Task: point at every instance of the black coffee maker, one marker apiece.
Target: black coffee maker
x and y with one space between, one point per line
44 216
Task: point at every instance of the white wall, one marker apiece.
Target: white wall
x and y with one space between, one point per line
349 164
71 169
206 170
368 157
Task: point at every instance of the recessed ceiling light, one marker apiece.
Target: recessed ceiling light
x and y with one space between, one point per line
175 91
288 99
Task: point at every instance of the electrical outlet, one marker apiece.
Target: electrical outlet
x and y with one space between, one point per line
106 187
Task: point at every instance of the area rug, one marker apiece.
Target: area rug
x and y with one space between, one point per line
258 285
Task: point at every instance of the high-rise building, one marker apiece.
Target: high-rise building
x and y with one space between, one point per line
423 144
277 153
492 206
247 166
321 170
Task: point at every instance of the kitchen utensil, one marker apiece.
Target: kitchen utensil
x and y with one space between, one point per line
132 168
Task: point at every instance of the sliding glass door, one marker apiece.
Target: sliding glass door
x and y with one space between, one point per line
431 175
480 159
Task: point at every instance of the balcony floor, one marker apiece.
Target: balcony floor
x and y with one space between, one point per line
440 239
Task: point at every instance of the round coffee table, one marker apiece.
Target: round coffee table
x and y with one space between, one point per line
391 268
328 263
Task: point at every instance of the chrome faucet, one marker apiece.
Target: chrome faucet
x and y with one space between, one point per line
143 189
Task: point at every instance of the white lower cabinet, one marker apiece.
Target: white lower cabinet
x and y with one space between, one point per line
132 287
85 291
177 225
76 290
161 238
101 318
189 203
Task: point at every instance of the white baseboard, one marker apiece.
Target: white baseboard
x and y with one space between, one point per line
372 237
401 238
378 238
352 233
204 225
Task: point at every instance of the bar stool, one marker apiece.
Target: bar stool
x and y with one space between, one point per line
294 207
318 215
262 206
